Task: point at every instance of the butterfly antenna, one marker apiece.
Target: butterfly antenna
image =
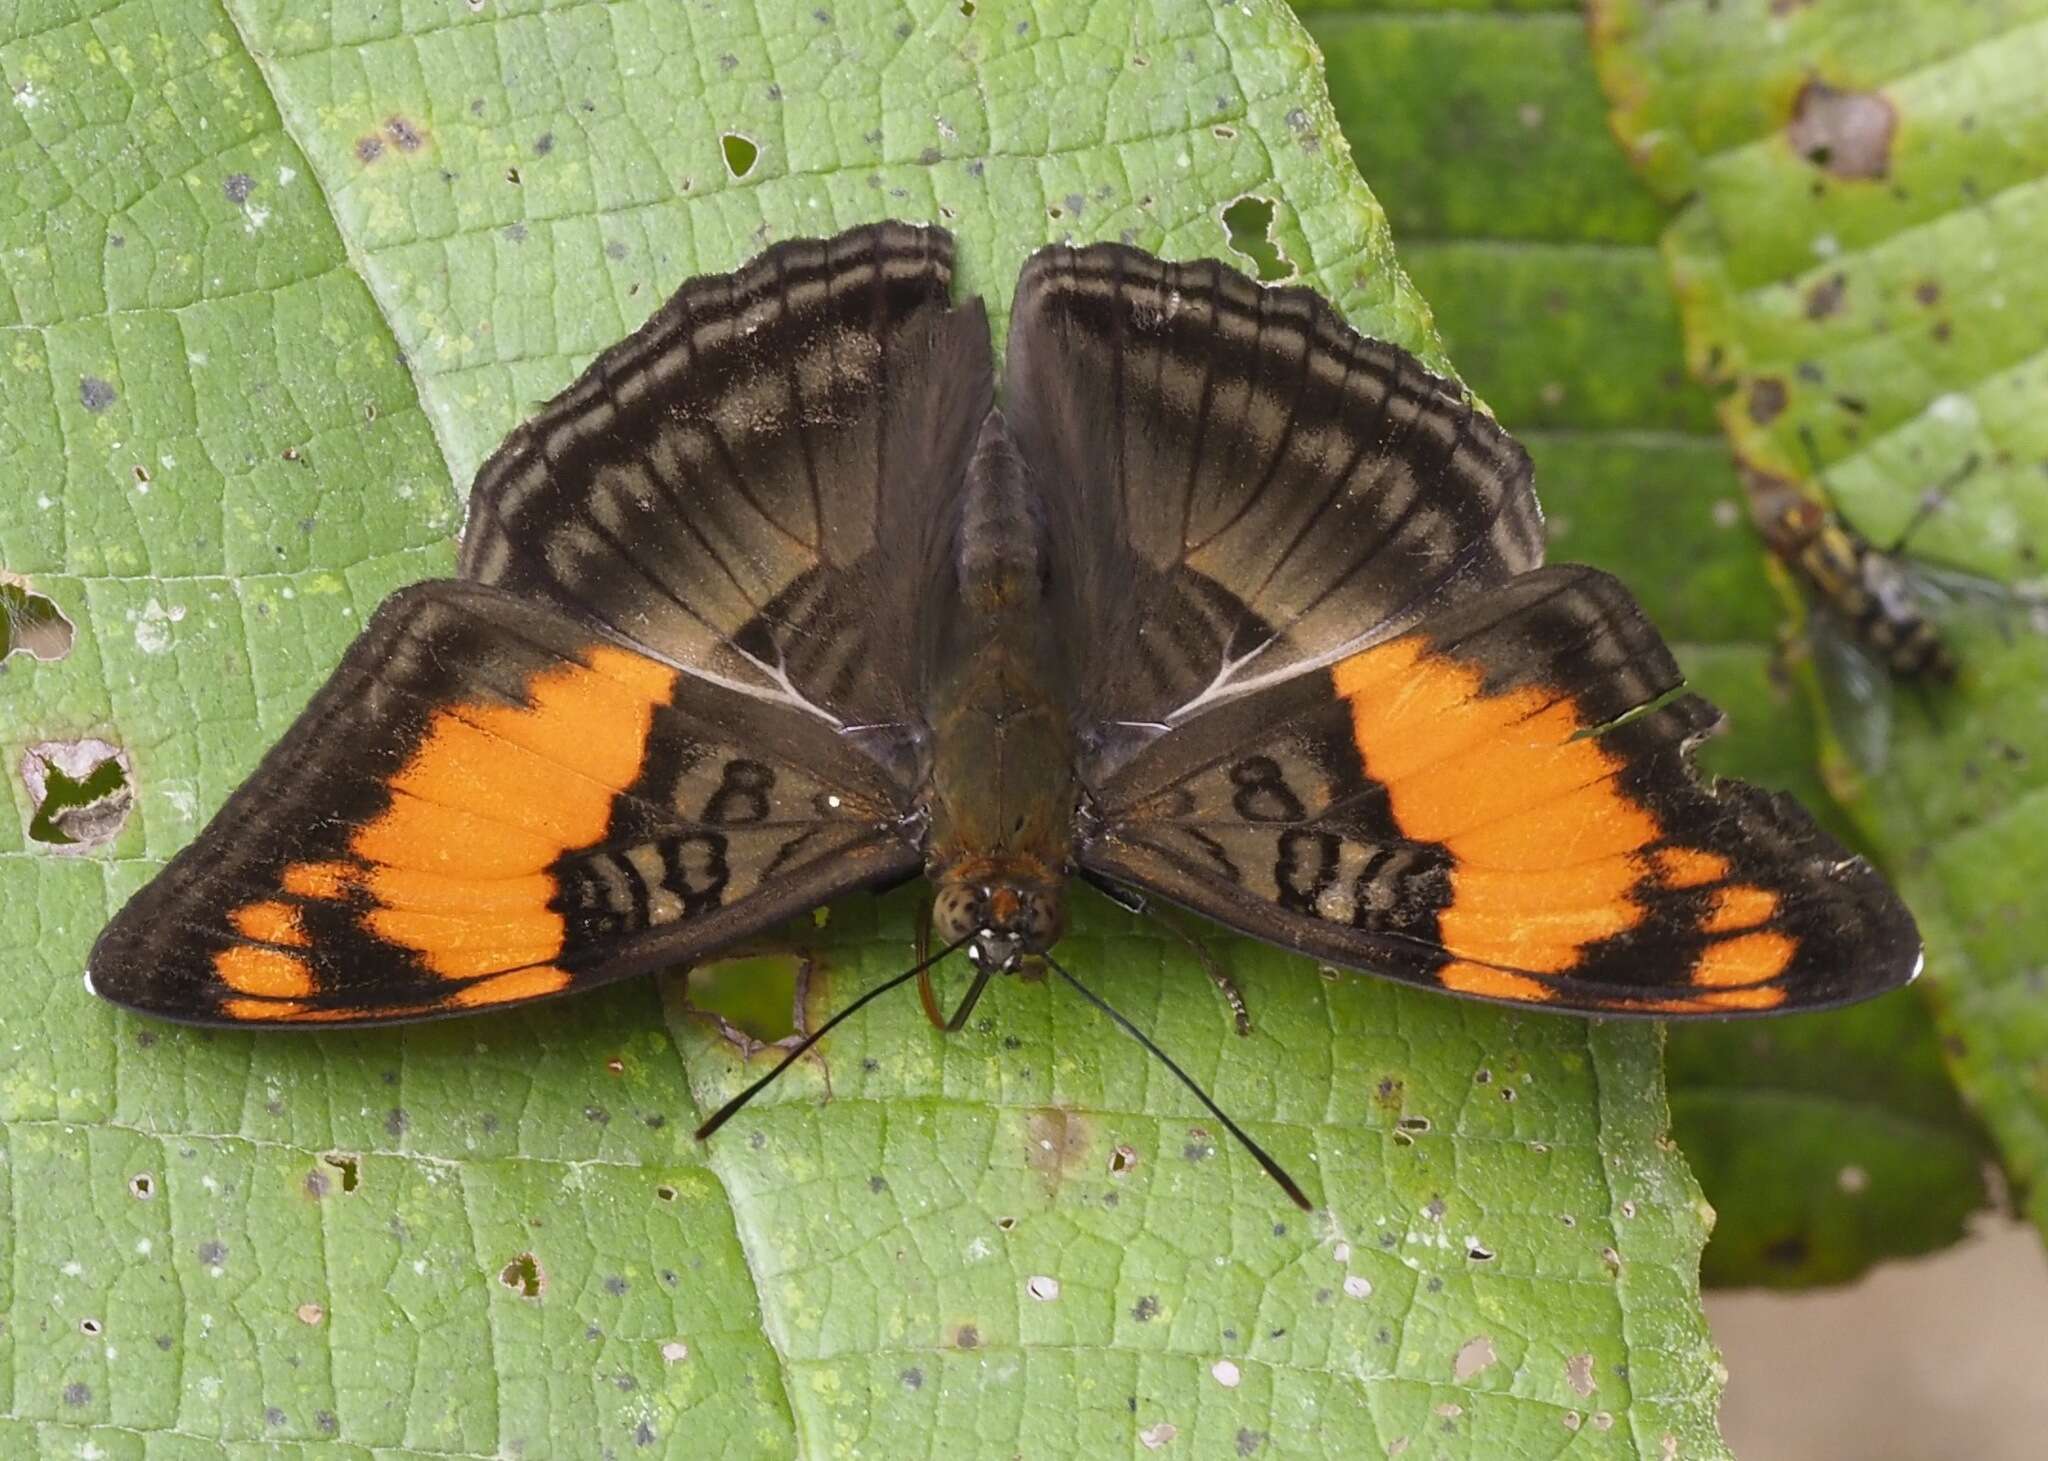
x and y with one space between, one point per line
731 1108
1259 1153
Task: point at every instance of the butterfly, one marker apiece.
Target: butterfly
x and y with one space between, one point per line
1223 603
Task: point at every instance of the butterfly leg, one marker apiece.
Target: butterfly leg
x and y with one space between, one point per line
1132 901
926 995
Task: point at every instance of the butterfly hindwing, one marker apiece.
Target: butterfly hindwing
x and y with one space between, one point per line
755 483
1240 485
489 803
1499 803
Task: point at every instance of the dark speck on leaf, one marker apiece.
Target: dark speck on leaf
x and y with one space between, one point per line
369 149
1927 292
913 1379
654 1121
1435 1285
624 1383
1011 1042
1767 401
643 1434
968 1337
396 1121
1198 1151
1434 1209
728 62
77 1394
317 1185
597 1115
95 394
615 250
1323 1296
164 1342
615 1285
773 91
929 156
757 1140
325 1420
117 240
878 1184
1249 1441
404 134
870 1064
516 233
1145 1310
273 1416
1825 298
213 1252
823 17
238 186
544 144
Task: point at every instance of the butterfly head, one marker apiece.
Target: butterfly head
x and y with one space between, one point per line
1003 916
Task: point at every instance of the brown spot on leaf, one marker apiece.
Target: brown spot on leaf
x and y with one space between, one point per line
369 149
1055 1140
405 134
1578 1373
1825 298
1767 399
1927 292
523 1275
1474 1355
967 1337
1847 134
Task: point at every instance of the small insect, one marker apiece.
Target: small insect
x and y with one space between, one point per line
1223 604
1868 589
1879 612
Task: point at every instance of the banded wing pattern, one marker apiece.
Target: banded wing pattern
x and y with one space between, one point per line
757 483
1240 485
523 806
1499 803
612 745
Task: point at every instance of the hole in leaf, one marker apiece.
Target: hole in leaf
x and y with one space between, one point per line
32 624
523 1276
967 8
88 1326
1123 1159
665 1192
740 153
80 792
753 1001
142 1186
346 1166
1249 222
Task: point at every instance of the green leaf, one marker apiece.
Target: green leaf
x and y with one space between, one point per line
1523 225
278 279
1858 266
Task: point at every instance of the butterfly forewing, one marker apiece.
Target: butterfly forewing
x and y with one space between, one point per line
1499 804
755 484
1238 483
490 803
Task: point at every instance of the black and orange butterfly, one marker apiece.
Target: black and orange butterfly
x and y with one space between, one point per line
1224 603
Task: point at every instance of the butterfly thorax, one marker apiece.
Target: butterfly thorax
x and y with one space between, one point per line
1002 791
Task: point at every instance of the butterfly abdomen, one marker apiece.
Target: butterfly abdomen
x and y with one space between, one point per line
1002 791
